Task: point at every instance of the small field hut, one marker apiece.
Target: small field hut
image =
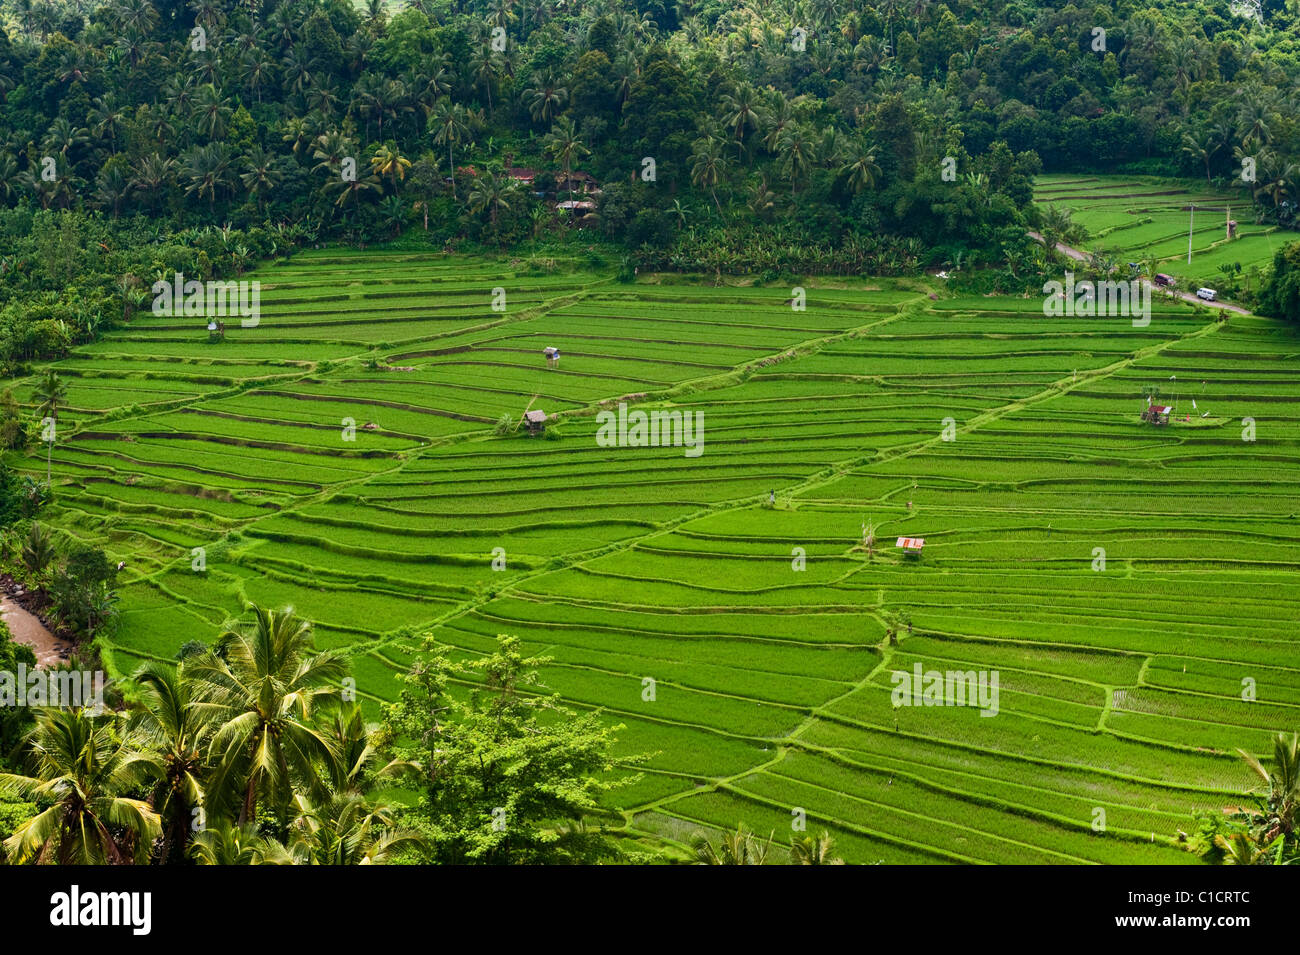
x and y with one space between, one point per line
911 546
535 420
1157 414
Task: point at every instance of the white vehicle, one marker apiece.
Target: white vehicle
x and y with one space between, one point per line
1206 293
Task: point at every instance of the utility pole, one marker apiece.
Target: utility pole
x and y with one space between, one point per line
1191 216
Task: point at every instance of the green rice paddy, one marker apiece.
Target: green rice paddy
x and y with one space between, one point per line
1121 688
1147 218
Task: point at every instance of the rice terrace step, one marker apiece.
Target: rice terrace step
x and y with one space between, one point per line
629 560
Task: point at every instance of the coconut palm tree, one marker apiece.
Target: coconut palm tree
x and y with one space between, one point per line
8 177
545 98
870 55
1256 115
761 200
861 170
324 99
300 131
431 87
798 154
354 189
388 161
1057 227
492 194
1240 849
1276 817
814 850
563 144
178 93
211 112
151 178
255 71
356 759
261 174
64 138
50 393
107 120
112 189
329 149
1278 179
207 13
208 170
1145 38
487 68
174 733
297 74
224 844
206 66
38 550
450 125
260 687
743 113
1187 65
80 767
394 213
136 17
347 830
1201 145
707 165
780 117
732 848
387 98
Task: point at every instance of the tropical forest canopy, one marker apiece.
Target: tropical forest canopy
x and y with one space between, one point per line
809 136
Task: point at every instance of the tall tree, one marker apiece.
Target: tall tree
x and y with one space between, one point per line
50 393
564 144
501 767
450 126
707 165
81 768
260 687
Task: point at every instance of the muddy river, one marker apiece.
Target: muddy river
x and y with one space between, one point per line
27 629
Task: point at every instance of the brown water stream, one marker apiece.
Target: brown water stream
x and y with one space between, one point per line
27 629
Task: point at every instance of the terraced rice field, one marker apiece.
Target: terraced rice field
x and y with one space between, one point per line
1121 689
1144 218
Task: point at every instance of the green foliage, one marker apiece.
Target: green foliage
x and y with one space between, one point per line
738 847
15 494
504 769
1280 295
82 589
1266 832
13 814
80 769
183 744
14 720
260 686
13 427
38 550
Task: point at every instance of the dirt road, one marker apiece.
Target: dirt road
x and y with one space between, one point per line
1189 297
